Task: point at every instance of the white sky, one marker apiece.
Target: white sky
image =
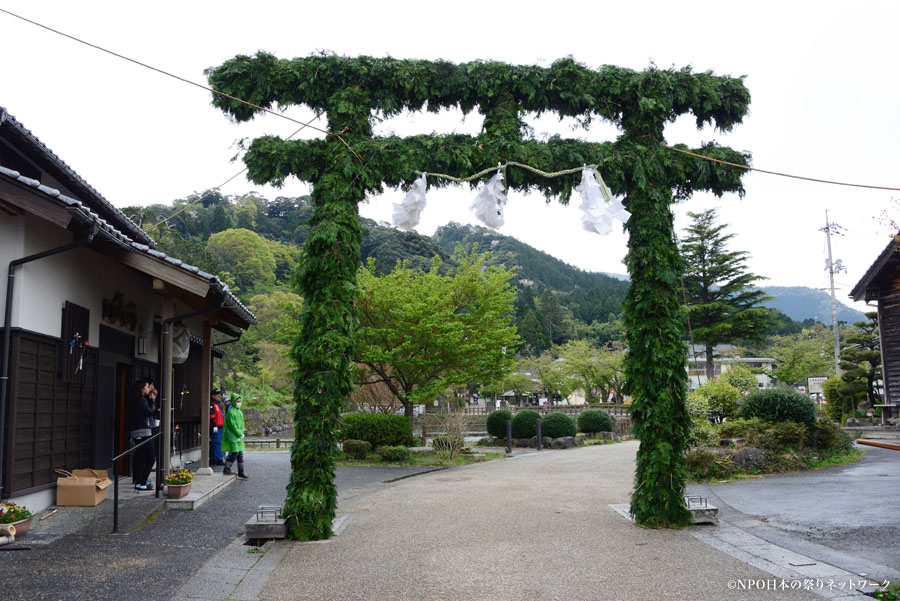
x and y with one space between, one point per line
822 75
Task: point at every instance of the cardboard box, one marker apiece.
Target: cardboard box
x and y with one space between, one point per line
84 488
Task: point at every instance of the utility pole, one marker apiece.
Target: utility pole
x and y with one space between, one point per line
832 267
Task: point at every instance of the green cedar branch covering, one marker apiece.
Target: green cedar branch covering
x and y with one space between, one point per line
355 92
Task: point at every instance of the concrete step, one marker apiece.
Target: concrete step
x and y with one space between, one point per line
203 489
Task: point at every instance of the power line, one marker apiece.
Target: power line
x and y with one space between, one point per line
182 79
211 190
809 179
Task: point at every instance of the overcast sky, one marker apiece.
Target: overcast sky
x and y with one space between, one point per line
823 77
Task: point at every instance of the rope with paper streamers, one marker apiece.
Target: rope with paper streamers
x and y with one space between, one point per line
463 180
599 205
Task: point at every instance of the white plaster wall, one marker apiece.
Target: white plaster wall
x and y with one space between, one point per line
82 276
12 234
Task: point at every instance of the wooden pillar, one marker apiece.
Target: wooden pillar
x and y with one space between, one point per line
166 368
205 389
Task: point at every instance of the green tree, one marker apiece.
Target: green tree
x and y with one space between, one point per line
422 333
247 256
555 318
551 377
741 377
722 303
594 368
861 363
802 356
277 314
533 334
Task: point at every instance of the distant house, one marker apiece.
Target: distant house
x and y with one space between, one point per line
881 283
724 357
90 305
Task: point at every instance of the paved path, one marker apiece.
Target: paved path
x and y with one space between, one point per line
845 515
531 527
157 551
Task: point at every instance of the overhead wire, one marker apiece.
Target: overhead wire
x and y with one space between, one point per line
182 79
748 168
359 158
227 181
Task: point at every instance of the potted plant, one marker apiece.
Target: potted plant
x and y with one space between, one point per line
179 483
18 516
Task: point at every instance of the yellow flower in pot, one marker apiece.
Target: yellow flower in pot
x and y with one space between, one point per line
182 476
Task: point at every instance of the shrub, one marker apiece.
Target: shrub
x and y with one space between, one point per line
751 429
394 454
358 449
789 434
378 429
779 405
740 376
723 398
523 423
496 422
702 433
697 404
447 444
834 401
827 436
704 464
557 424
594 420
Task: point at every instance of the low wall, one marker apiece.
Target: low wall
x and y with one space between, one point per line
269 421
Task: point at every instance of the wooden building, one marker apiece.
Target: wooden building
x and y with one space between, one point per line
881 284
90 306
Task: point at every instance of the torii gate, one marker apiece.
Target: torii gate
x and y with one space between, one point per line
351 162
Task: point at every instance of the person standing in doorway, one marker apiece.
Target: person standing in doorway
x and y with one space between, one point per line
233 438
216 423
143 415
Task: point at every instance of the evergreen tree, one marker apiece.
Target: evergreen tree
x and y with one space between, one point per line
722 303
861 363
533 334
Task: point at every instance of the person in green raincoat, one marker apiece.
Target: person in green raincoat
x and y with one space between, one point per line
233 438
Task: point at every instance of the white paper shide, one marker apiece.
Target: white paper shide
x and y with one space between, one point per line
488 205
408 211
598 204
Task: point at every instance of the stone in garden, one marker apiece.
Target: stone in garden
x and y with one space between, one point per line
522 443
749 458
737 443
546 441
564 442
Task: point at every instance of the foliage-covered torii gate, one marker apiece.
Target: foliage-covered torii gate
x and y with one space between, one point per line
354 92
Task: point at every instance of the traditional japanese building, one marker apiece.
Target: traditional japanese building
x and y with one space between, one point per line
881 284
90 305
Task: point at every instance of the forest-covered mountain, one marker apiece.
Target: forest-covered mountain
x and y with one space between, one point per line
801 303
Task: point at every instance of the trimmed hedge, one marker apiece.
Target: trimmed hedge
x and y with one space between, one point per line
358 449
557 424
780 405
378 429
524 423
394 454
496 422
594 420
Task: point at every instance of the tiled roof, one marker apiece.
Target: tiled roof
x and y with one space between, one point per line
888 257
64 172
112 234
